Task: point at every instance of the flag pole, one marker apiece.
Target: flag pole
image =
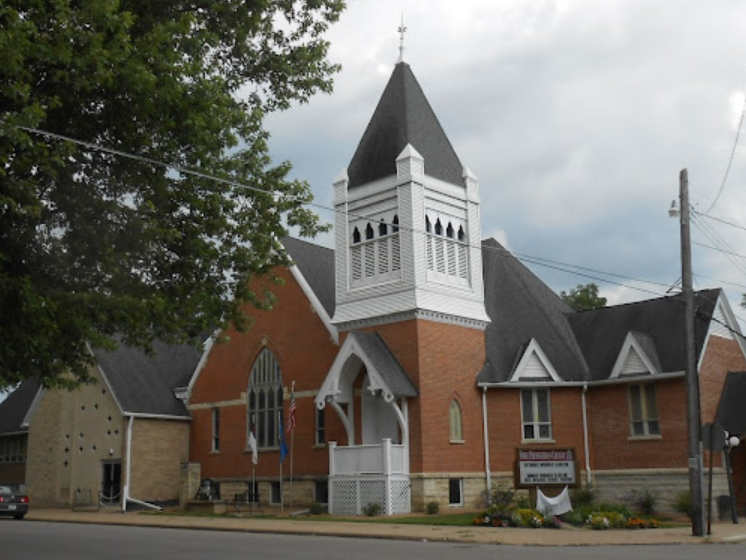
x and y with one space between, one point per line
292 445
282 497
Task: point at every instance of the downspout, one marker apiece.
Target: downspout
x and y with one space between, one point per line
486 442
128 454
126 494
588 473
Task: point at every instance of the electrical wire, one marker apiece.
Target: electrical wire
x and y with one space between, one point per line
730 159
538 261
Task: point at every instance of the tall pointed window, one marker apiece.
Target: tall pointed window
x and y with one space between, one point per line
265 399
454 415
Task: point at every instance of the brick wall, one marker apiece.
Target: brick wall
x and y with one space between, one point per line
305 351
505 426
159 447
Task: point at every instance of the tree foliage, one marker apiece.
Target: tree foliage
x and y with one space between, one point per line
95 246
583 297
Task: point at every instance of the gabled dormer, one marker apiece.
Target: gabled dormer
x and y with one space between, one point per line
638 356
407 223
532 364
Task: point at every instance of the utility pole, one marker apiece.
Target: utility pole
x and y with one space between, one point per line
692 379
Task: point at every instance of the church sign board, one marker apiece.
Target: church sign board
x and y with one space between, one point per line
545 467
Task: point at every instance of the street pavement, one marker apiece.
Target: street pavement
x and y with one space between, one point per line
722 532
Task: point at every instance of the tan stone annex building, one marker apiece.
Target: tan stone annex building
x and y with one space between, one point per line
118 442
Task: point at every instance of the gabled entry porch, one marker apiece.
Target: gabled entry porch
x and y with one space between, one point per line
366 375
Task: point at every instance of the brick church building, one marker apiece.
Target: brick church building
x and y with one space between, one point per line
427 364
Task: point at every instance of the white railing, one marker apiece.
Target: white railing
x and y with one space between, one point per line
384 458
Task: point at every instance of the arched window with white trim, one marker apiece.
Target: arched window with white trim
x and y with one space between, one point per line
265 399
454 415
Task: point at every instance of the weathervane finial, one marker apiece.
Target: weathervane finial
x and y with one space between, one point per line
402 30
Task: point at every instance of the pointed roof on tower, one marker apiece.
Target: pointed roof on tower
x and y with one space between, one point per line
403 116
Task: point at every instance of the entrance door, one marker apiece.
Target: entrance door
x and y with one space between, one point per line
111 482
379 419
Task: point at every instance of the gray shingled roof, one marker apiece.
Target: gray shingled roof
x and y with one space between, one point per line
144 384
403 116
316 263
522 307
730 413
601 332
14 408
387 365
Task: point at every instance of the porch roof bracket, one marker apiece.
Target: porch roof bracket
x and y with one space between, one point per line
345 420
402 421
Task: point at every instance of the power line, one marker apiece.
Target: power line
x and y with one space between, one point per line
739 255
718 220
539 261
730 160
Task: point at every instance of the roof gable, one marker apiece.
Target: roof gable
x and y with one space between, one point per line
145 384
633 359
522 308
403 116
534 365
599 331
15 407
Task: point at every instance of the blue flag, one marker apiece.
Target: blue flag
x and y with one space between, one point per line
281 435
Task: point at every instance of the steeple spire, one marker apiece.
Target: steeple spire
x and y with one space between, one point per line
402 30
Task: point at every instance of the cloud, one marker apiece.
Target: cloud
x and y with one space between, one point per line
576 116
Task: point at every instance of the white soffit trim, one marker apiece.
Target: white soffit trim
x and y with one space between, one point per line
318 308
534 365
724 313
185 393
630 349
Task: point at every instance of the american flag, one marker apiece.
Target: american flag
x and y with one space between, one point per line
292 413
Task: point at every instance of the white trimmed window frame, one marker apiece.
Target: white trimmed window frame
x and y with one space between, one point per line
264 400
643 411
536 426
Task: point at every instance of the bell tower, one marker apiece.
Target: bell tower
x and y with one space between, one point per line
407 231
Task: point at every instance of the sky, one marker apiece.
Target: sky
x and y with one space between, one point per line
576 116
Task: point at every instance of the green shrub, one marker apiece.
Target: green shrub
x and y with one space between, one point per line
575 517
316 508
583 496
432 507
644 500
372 509
683 503
523 502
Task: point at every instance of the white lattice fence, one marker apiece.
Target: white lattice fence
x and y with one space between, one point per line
401 501
351 496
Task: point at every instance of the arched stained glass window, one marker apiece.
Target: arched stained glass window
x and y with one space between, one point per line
383 228
449 230
454 415
461 233
428 225
265 399
438 227
356 236
369 232
395 221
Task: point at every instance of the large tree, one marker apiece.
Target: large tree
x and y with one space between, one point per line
584 297
97 247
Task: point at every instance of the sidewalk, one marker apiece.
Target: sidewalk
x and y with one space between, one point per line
567 536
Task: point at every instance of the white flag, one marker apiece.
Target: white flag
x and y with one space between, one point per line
252 442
